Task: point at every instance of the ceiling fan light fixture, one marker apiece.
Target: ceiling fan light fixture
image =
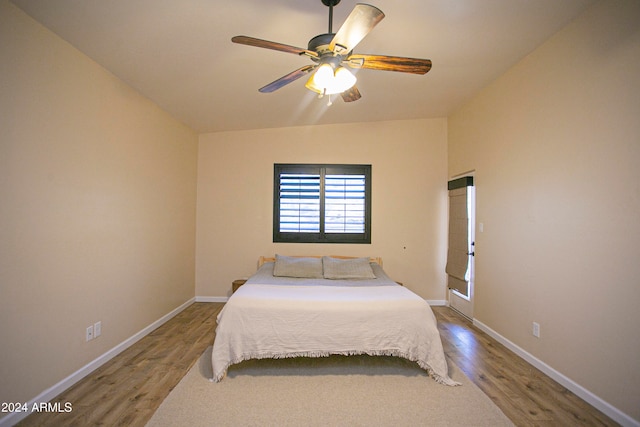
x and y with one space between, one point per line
323 77
329 51
344 79
327 82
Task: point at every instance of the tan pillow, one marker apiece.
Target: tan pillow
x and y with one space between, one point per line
286 266
356 268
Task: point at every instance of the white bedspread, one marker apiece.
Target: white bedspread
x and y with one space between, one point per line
273 321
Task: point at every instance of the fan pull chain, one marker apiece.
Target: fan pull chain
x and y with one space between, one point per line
323 94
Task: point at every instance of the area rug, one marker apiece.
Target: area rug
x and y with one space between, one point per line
327 391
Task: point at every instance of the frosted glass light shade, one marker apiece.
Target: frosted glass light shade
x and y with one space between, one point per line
325 82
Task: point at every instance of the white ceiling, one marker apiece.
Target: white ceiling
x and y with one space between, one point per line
179 53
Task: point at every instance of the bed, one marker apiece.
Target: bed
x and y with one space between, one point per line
320 306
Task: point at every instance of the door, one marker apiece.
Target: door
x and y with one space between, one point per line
461 252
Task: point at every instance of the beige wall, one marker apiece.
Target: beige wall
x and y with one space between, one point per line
555 143
235 198
97 209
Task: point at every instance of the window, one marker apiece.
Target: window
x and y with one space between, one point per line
322 203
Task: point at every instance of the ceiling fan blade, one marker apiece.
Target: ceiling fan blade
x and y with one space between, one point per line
350 95
252 41
358 24
285 80
389 63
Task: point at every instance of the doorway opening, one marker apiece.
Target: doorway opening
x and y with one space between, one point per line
460 257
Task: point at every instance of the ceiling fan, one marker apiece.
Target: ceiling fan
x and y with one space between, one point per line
330 52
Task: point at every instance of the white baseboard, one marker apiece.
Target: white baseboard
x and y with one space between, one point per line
595 401
437 302
212 299
55 390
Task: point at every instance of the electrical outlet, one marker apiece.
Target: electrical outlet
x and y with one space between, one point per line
89 333
536 329
97 329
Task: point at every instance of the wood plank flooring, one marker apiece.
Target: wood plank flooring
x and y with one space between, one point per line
526 395
128 389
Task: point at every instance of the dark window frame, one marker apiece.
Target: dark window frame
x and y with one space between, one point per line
321 236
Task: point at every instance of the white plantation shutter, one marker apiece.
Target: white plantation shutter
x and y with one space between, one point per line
322 203
299 203
344 203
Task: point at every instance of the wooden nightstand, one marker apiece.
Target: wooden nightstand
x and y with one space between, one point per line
237 283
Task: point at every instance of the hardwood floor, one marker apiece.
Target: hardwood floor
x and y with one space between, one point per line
526 395
127 390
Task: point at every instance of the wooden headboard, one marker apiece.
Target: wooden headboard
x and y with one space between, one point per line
264 259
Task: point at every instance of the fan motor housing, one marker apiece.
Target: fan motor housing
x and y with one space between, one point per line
320 43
